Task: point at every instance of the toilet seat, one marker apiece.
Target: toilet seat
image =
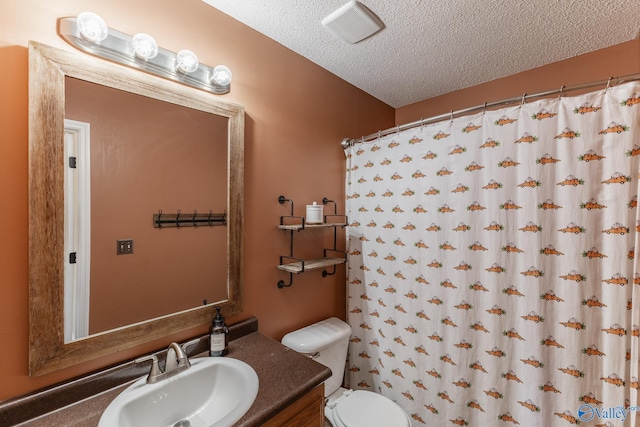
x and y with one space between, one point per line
367 409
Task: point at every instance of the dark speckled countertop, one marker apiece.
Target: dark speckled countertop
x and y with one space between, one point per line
284 376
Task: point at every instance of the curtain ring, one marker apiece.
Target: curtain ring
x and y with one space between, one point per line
562 91
608 84
422 123
362 141
397 130
452 115
378 135
484 108
524 99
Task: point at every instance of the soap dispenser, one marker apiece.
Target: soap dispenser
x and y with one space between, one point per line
218 341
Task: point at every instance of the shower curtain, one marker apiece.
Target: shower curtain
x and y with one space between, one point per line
491 270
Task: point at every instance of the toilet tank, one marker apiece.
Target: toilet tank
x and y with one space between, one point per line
330 339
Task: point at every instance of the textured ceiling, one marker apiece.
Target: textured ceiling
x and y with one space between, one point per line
431 47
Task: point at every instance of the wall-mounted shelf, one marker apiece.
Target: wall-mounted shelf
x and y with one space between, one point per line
293 265
298 227
310 264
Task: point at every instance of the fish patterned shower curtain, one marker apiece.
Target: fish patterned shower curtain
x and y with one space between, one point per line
492 277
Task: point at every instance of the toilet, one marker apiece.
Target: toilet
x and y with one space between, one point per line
327 342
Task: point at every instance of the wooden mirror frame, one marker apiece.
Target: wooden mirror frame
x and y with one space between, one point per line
48 68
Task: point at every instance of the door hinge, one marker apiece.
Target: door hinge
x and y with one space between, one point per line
73 162
72 258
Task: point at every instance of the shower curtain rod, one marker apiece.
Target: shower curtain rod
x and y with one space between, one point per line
611 81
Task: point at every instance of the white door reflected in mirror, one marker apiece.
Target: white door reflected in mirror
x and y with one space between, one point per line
77 228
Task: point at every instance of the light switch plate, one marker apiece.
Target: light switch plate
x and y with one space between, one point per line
125 247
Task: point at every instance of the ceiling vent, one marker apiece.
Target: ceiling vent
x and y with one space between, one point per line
353 22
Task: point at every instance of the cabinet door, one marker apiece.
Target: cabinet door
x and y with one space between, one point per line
308 411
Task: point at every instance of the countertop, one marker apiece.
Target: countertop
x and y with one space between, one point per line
284 376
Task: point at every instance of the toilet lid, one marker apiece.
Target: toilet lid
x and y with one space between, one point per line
368 409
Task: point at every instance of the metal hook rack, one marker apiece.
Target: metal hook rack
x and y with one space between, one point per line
211 219
292 223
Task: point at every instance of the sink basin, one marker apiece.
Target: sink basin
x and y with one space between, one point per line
213 392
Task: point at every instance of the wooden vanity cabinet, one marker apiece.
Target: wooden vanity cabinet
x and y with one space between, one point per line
307 411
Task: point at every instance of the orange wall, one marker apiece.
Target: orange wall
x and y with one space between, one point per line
296 115
617 61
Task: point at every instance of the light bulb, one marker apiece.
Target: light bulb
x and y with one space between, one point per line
92 27
221 75
186 61
144 46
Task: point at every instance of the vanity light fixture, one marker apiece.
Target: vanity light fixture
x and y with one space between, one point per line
144 46
89 33
221 75
92 27
186 61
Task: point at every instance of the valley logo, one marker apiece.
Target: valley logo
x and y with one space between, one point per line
587 413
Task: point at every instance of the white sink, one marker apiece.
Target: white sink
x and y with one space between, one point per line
213 392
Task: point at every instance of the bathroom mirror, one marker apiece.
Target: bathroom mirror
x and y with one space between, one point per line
134 157
52 73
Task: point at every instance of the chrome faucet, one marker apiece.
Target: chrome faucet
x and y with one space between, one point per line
176 362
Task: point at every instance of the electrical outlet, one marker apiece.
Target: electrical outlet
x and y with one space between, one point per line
125 247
